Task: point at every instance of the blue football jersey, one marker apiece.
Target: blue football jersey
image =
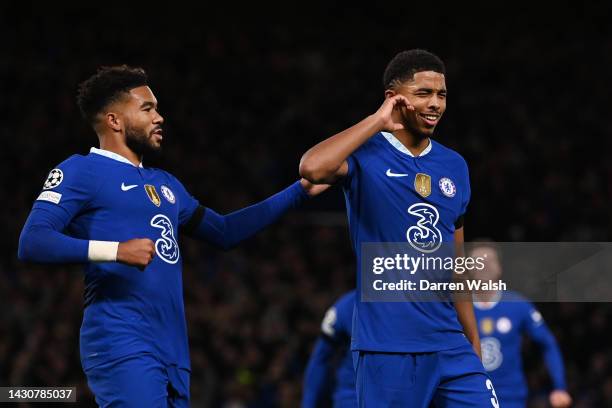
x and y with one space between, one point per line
104 197
337 325
501 326
390 196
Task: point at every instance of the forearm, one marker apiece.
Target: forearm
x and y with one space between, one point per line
317 374
463 299
552 356
321 162
465 315
41 242
226 231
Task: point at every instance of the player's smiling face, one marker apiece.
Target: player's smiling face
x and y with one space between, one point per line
143 123
426 91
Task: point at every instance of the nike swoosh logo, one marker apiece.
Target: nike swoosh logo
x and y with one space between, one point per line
391 174
126 188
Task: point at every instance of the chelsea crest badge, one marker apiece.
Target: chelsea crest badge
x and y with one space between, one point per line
447 187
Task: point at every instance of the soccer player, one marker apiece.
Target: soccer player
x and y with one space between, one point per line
503 318
332 352
401 185
122 220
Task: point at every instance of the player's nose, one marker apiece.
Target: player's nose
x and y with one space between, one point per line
434 103
159 119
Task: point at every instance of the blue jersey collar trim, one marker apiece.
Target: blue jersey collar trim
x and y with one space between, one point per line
112 155
399 146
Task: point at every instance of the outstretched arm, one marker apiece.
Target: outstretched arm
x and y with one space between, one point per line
325 163
318 373
226 231
539 332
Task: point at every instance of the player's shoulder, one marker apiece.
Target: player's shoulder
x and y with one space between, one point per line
74 161
373 145
517 302
449 155
74 167
164 174
347 300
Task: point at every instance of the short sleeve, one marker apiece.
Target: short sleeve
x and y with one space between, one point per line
356 162
67 189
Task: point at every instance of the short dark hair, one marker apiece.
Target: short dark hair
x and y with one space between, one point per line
405 64
106 86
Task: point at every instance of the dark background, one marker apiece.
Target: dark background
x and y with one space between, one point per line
245 91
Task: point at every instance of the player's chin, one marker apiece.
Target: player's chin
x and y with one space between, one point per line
427 130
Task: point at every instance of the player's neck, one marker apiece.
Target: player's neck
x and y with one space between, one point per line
121 149
414 144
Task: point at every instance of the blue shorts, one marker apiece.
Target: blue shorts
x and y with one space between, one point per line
139 381
445 379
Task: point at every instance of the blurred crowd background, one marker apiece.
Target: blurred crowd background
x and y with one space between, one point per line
245 91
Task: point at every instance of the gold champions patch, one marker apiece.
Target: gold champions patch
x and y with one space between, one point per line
422 184
152 193
486 326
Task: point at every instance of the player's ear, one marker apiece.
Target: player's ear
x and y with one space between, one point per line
390 93
113 121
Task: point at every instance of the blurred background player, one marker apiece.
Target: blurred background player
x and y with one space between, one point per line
400 185
330 375
503 319
122 220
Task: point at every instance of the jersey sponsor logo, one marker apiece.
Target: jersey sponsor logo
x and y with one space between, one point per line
486 326
329 321
51 196
127 188
168 194
447 187
166 246
392 174
424 236
494 400
492 356
422 184
504 325
54 179
152 193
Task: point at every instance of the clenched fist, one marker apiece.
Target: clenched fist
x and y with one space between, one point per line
136 252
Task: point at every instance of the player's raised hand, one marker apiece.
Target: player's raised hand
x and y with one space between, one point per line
313 189
560 399
385 114
136 252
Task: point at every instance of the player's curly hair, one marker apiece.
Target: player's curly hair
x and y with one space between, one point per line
405 64
106 86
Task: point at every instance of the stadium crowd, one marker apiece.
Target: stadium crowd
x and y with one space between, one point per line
243 98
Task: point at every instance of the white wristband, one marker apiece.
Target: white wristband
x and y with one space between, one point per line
102 251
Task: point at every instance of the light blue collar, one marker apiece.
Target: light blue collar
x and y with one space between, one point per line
112 155
399 146
488 305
